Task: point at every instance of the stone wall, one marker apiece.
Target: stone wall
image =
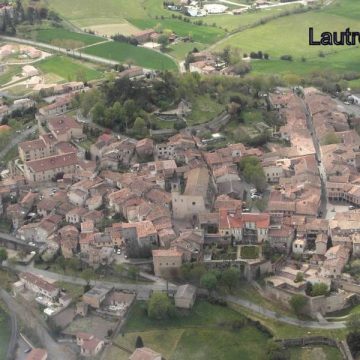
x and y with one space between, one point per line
322 304
318 340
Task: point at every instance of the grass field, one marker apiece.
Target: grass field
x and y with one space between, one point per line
200 335
180 50
124 28
347 8
85 13
68 69
203 110
123 52
58 36
296 41
9 72
233 22
343 61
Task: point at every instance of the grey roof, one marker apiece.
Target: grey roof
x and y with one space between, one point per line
186 291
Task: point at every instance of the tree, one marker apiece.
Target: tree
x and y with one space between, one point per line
253 172
319 289
308 288
87 275
159 306
353 340
139 127
133 272
299 277
298 302
163 40
139 343
61 262
209 281
3 255
230 277
98 112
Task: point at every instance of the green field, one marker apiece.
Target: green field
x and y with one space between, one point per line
203 34
204 334
346 8
233 22
180 50
271 37
93 12
4 333
342 61
68 69
9 72
203 110
57 36
124 52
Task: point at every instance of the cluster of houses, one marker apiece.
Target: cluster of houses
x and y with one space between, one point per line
174 200
22 51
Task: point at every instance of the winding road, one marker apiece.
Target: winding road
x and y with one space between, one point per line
14 326
144 290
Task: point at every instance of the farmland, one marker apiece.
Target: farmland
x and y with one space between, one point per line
63 37
85 13
296 41
68 69
124 52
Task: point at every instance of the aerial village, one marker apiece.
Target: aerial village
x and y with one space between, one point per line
158 205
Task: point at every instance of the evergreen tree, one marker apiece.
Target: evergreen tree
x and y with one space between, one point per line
139 342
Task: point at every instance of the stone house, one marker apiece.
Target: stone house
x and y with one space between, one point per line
165 260
185 296
198 195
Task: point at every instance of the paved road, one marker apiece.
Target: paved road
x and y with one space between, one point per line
76 53
144 290
14 326
16 140
285 319
72 53
57 351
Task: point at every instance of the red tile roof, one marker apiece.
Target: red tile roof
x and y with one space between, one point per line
53 162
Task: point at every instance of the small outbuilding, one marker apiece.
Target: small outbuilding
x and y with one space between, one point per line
82 308
185 296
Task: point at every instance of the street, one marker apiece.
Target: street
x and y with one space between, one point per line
144 290
72 53
322 173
